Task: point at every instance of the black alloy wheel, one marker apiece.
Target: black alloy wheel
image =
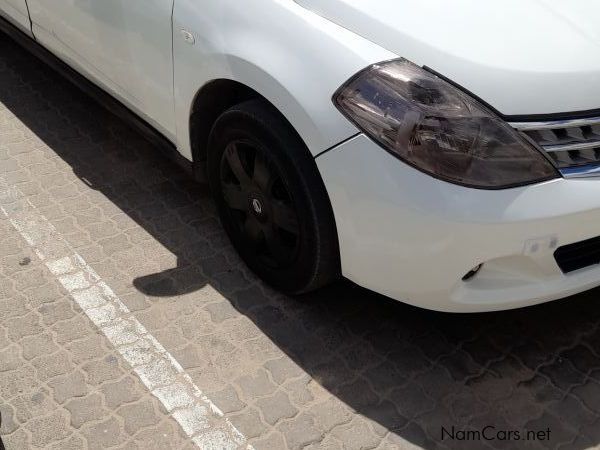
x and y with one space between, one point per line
260 203
271 199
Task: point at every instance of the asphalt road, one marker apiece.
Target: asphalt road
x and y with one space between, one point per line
127 320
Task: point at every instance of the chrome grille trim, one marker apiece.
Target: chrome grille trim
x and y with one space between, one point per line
592 171
553 124
573 145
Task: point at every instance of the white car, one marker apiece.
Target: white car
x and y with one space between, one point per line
442 153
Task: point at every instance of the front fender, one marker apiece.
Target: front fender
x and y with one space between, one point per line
292 57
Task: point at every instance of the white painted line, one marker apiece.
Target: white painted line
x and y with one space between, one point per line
197 415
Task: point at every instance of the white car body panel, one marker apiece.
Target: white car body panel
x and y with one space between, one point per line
16 12
236 43
522 57
125 46
413 238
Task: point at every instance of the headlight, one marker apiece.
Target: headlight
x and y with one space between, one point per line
435 127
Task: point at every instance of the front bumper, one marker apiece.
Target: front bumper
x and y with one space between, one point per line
411 237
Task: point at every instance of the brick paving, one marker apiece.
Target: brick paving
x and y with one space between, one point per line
343 368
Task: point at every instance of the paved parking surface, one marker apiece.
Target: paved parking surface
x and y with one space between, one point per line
343 368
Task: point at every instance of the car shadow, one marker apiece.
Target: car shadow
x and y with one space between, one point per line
414 373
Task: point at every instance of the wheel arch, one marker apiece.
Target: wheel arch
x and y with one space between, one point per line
211 100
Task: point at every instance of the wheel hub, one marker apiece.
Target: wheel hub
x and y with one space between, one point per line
258 206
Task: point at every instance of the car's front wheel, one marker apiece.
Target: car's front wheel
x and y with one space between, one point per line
271 199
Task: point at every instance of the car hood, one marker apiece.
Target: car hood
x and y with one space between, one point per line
523 57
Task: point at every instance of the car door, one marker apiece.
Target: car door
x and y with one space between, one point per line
16 12
123 45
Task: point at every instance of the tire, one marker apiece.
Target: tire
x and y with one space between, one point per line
271 199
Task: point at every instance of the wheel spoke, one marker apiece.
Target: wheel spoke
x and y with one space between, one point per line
285 217
266 222
279 252
262 175
234 197
253 229
235 163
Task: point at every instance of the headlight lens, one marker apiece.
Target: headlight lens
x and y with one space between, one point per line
435 127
